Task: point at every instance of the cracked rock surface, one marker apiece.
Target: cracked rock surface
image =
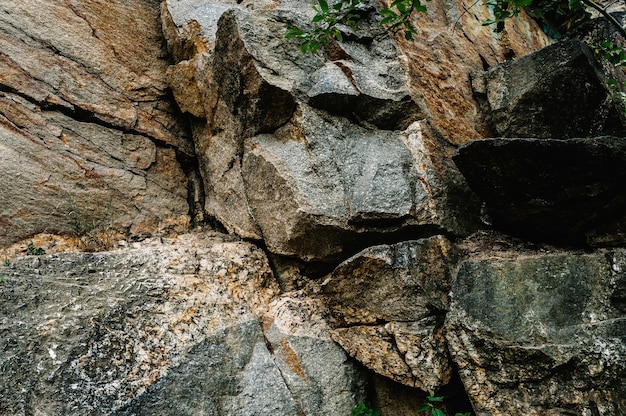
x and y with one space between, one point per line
86 123
191 325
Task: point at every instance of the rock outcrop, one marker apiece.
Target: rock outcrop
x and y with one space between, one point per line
348 274
192 325
88 132
535 332
322 155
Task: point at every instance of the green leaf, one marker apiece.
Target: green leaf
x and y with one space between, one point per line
317 18
437 412
433 398
338 36
387 12
313 45
323 5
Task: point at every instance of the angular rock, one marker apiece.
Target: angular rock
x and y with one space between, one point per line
86 122
169 327
319 374
339 183
557 92
388 304
402 282
278 133
538 333
564 191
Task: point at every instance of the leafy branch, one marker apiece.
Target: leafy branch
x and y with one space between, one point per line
400 19
329 18
344 12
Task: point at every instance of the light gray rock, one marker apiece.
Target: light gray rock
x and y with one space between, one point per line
293 147
541 333
171 327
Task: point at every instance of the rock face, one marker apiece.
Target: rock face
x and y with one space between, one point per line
191 325
557 92
540 333
87 129
138 115
564 191
388 303
318 155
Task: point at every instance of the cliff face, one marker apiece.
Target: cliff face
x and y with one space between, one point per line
360 263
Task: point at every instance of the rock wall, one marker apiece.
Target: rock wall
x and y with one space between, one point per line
375 251
87 127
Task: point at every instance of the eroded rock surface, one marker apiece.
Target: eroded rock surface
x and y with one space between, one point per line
191 325
388 305
86 123
536 332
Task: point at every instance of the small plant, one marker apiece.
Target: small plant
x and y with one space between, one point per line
364 410
329 18
3 280
32 250
344 12
433 405
6 262
93 226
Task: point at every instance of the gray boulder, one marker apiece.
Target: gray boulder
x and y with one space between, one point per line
559 91
538 333
183 326
388 304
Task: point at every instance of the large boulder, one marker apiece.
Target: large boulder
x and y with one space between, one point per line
560 91
562 191
183 326
88 131
321 155
388 304
535 332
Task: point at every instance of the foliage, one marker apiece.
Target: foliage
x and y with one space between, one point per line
556 15
613 53
432 407
329 18
401 18
6 262
364 410
344 12
3 280
32 250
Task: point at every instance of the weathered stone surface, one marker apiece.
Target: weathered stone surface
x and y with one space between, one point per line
318 373
343 145
566 191
86 123
557 92
451 44
165 328
341 184
388 304
537 333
